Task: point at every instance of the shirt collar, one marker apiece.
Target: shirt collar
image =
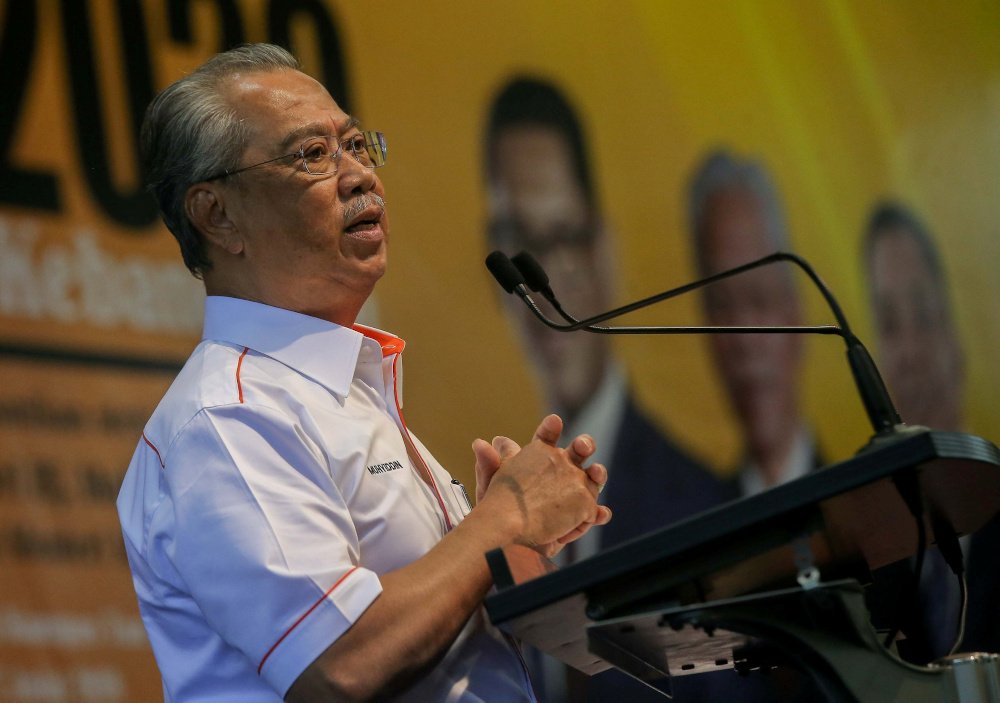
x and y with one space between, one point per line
601 417
798 463
325 352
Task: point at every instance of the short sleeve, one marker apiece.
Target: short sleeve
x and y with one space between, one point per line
263 539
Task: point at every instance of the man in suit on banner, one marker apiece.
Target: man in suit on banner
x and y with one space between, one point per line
923 364
736 216
543 199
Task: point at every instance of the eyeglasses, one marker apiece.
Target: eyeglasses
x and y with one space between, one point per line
321 155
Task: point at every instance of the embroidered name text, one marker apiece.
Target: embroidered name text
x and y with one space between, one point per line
382 468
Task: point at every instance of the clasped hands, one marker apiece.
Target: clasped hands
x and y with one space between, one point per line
543 485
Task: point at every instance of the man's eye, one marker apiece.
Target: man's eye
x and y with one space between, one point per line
316 152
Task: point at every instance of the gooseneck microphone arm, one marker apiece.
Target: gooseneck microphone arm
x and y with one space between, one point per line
524 272
521 272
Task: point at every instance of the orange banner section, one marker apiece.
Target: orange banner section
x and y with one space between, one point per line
69 624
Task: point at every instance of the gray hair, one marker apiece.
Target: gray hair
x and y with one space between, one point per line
889 216
190 133
721 171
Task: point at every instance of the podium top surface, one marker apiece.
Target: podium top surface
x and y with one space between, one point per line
853 506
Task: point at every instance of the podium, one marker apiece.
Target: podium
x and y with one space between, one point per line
769 579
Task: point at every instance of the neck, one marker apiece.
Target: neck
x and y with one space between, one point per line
339 309
569 408
770 452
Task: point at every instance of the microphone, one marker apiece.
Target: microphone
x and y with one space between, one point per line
509 277
523 271
881 412
538 281
533 273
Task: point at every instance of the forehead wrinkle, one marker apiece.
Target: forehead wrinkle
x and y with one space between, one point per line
259 100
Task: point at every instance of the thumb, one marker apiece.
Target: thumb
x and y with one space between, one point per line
487 458
487 463
505 447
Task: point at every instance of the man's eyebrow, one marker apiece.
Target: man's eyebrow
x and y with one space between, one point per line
316 129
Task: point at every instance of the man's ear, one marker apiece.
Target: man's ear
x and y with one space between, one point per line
205 204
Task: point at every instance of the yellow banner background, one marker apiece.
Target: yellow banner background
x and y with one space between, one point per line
846 102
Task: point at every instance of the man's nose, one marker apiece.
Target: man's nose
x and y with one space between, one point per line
355 178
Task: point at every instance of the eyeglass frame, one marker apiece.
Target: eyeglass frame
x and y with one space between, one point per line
301 153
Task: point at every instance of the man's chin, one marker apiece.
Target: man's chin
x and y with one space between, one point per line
761 413
371 237
364 245
373 268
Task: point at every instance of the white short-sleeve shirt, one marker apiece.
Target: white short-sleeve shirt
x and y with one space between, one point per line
269 490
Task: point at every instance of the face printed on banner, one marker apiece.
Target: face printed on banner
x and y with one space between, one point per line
538 204
759 371
919 353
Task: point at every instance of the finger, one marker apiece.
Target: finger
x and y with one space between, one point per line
487 463
505 447
577 532
549 549
581 529
597 473
487 458
593 486
581 448
549 430
603 517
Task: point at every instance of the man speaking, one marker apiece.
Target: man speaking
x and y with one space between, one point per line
289 537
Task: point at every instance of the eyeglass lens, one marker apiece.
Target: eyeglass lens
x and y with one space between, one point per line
320 155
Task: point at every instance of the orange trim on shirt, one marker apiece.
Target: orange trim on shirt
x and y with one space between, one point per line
162 466
304 616
390 344
394 345
430 474
239 364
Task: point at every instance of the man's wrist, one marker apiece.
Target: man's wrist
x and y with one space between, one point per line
501 519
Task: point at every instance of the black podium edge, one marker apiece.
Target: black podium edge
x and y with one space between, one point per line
731 520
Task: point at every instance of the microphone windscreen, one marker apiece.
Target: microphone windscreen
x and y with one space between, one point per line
506 274
534 274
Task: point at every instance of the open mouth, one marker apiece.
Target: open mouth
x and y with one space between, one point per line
362 226
366 224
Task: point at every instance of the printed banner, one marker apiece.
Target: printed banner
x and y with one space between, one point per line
629 147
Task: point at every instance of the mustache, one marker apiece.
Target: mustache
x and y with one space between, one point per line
361 204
